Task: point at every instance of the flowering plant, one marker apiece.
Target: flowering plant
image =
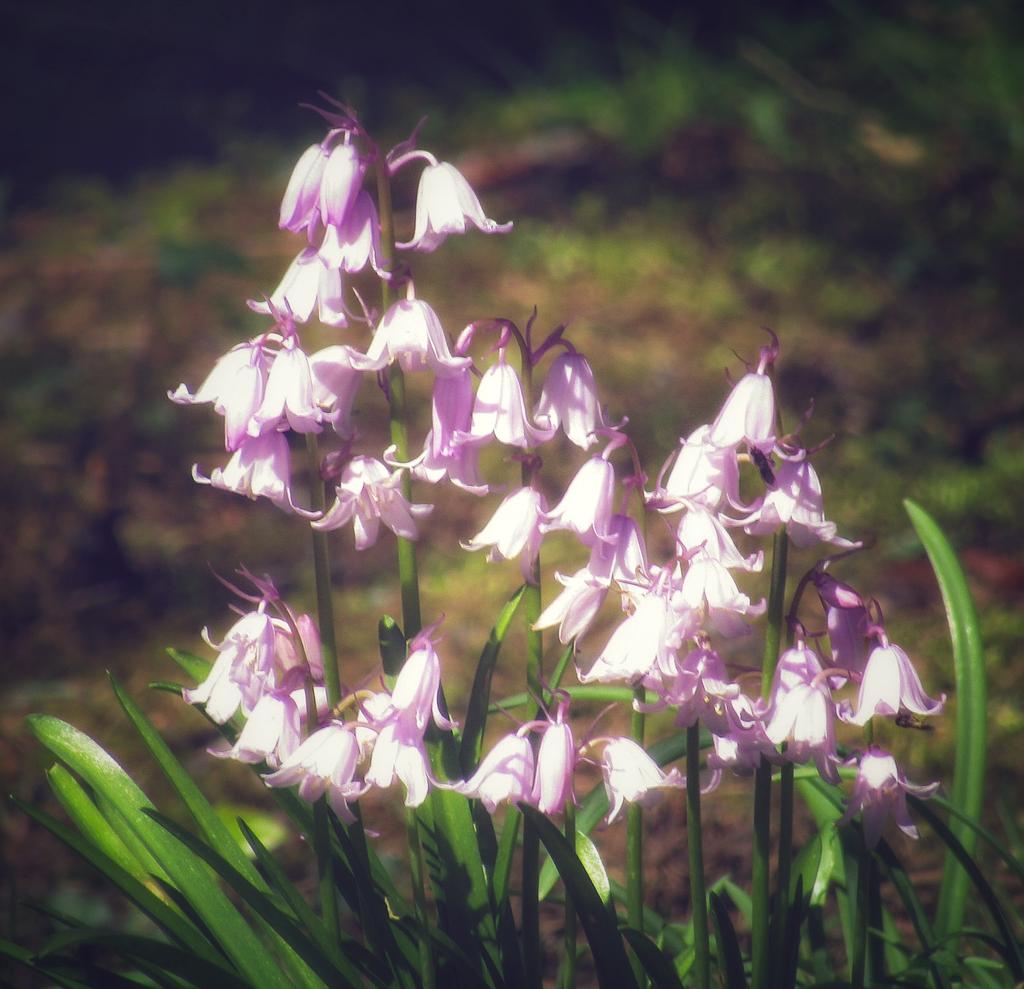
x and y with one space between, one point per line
796 692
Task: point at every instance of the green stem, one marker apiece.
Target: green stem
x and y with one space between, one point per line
322 571
635 847
761 866
324 863
419 897
532 962
776 604
785 864
860 924
761 876
698 895
570 909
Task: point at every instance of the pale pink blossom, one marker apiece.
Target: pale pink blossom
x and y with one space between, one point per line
235 387
399 754
701 529
308 284
451 415
499 410
445 204
259 468
587 506
698 688
355 242
513 530
336 379
569 399
795 502
325 762
632 776
271 733
742 747
748 415
646 638
411 333
288 397
555 766
708 586
701 474
890 684
505 774
880 792
302 194
368 494
576 607
340 183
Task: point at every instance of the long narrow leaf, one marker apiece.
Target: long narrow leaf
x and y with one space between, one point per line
610 959
167 957
91 823
480 695
730 958
595 804
968 787
658 967
257 899
1011 946
81 754
210 824
165 917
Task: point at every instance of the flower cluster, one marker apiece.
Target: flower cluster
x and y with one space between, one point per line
737 474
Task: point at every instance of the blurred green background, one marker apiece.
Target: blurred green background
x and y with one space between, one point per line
851 175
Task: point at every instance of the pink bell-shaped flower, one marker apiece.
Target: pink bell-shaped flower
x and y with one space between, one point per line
259 468
288 398
880 792
445 204
302 194
588 503
499 410
505 774
367 494
632 776
340 183
513 530
325 762
411 333
890 684
354 243
308 284
569 399
555 766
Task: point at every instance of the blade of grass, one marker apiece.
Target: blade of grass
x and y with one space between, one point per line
81 754
610 959
968 788
480 695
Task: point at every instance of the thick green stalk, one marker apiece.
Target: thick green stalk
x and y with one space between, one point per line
419 896
332 683
531 609
635 847
761 868
322 571
698 895
569 967
858 956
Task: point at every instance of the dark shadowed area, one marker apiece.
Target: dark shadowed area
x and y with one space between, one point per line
851 175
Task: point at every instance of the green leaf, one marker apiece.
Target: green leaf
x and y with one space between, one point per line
210 823
968 789
195 666
610 960
590 859
730 958
84 814
81 754
165 917
167 957
595 804
1011 947
506 849
655 963
480 695
264 905
392 645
